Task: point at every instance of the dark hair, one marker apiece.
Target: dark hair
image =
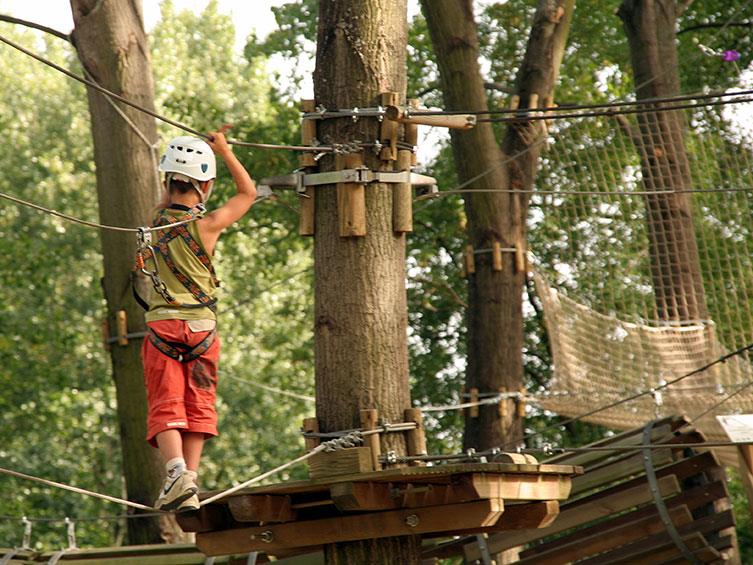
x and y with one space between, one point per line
179 186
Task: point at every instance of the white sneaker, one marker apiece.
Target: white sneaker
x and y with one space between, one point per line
189 505
176 492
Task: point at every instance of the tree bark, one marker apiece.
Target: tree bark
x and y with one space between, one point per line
675 266
112 47
495 317
360 299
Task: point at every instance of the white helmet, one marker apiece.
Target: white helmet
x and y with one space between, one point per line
189 159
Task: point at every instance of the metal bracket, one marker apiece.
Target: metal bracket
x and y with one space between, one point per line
300 180
648 464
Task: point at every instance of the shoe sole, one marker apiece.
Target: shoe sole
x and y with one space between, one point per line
173 504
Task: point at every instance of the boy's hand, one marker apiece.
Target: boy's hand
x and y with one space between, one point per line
217 141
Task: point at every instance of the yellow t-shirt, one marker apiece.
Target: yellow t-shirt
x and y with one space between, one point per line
188 264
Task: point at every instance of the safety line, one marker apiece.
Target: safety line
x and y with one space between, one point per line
537 116
103 90
272 389
88 223
76 490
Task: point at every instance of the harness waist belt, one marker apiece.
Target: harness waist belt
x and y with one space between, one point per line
180 351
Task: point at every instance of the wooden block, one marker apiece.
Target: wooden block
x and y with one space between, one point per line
308 133
415 439
473 410
363 496
122 326
261 508
415 521
520 258
410 131
341 462
497 256
307 210
311 425
369 421
520 404
351 199
402 197
470 260
389 129
205 519
514 102
503 405
455 121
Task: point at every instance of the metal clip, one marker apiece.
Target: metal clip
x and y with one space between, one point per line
391 457
26 542
144 237
71 533
380 115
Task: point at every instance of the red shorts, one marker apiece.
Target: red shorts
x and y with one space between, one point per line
180 395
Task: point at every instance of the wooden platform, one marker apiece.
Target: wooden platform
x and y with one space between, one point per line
300 516
612 516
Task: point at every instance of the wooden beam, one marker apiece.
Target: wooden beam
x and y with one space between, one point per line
616 469
369 421
581 512
415 439
351 199
341 462
745 456
414 521
311 425
261 508
626 527
205 519
307 161
402 196
389 129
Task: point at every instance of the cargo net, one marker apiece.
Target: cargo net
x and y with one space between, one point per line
642 229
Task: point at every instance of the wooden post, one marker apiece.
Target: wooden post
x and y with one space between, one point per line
416 440
497 256
520 258
308 135
311 425
503 404
351 199
402 197
745 455
474 398
389 130
122 327
470 260
410 131
520 404
369 421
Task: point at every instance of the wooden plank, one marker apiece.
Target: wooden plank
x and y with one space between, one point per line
351 199
581 547
311 425
402 196
307 201
341 462
350 528
369 421
612 470
434 474
308 133
579 513
415 439
601 536
205 519
261 508
745 456
640 550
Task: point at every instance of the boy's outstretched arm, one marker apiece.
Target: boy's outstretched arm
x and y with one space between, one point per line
234 209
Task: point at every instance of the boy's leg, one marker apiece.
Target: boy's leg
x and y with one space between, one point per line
170 444
193 444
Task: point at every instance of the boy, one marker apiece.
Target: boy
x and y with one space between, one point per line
182 349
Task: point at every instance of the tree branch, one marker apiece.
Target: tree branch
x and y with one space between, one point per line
715 25
56 33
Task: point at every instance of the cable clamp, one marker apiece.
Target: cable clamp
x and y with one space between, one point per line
547 448
354 117
390 458
380 112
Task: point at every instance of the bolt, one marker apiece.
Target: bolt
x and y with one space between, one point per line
412 520
267 536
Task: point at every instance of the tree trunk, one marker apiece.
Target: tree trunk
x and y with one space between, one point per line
360 299
495 317
675 265
112 46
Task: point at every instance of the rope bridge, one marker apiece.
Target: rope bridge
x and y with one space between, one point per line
639 290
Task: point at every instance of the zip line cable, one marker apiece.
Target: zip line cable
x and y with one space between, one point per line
103 90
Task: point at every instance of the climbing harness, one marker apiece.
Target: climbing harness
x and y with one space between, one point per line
146 250
180 351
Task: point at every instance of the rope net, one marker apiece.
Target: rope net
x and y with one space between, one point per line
643 258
